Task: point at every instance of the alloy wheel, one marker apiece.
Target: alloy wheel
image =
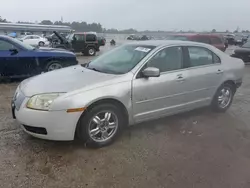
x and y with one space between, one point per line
91 51
103 126
225 97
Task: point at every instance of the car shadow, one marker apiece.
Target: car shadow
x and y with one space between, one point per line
172 123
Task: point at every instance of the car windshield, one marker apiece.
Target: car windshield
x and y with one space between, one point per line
120 60
246 45
20 43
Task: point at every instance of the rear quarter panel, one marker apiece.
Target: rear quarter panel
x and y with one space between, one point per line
233 68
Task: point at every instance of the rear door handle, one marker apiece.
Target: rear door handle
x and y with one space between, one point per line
219 71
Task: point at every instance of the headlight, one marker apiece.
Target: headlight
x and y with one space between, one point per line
42 101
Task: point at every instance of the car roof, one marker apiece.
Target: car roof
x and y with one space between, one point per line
5 37
158 43
31 36
84 33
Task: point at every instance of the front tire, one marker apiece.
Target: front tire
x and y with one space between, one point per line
223 98
53 65
101 125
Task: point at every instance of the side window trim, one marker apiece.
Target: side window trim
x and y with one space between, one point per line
188 62
138 74
182 61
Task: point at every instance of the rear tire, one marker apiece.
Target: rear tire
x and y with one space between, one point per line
91 51
223 98
101 125
41 43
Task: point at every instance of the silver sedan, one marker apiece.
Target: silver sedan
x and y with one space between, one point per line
130 84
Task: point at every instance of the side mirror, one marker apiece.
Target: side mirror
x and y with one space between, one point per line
151 72
13 51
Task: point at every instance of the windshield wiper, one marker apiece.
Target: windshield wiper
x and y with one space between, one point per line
85 64
94 69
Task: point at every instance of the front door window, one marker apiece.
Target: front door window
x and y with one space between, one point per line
168 59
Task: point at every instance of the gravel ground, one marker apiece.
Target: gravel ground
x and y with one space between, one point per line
199 149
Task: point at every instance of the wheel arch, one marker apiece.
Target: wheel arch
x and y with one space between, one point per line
109 101
105 101
231 82
50 60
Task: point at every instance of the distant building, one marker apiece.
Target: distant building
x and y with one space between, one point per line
6 28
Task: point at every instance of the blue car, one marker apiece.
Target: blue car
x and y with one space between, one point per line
21 60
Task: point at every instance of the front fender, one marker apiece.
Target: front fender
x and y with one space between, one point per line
120 92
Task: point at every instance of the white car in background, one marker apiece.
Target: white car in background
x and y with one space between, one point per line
35 40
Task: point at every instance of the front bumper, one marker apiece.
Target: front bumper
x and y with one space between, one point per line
49 125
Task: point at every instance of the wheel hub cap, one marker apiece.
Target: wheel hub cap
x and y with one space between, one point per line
103 126
224 98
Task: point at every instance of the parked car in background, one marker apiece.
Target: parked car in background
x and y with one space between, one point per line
26 33
245 38
18 59
34 40
230 38
101 41
238 40
214 40
133 37
54 39
84 42
243 52
144 37
133 83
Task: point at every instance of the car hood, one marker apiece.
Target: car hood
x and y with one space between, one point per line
59 50
60 37
64 80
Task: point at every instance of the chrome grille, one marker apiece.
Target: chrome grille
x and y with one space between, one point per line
18 99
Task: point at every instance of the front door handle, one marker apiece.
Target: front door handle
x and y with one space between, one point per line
219 71
180 78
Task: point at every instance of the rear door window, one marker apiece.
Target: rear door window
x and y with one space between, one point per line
29 37
91 38
200 56
36 37
79 37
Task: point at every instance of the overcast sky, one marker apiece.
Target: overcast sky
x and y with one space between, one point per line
197 15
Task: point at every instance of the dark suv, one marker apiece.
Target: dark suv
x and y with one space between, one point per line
85 42
214 40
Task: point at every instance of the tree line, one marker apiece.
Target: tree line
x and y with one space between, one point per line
78 26
97 27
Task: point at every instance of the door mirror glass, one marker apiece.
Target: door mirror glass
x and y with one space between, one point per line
151 72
